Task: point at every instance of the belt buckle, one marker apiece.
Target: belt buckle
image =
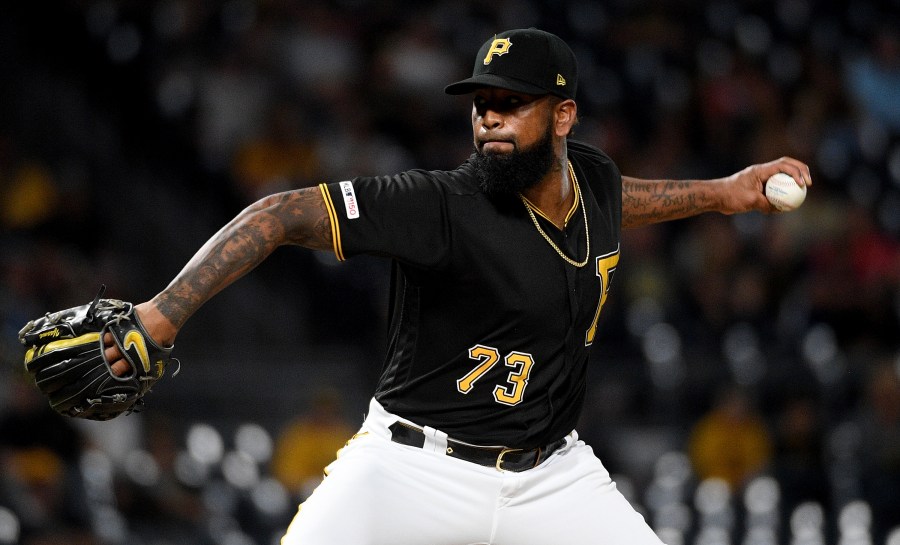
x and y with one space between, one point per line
503 453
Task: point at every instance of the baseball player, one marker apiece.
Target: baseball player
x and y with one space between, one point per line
501 268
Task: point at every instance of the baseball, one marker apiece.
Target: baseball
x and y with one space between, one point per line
784 193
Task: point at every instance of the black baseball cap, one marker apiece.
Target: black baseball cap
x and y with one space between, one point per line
525 60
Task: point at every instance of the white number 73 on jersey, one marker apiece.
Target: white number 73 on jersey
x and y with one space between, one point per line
521 362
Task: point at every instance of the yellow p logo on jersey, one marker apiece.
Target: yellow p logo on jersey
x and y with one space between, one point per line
500 46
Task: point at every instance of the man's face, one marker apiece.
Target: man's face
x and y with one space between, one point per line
513 139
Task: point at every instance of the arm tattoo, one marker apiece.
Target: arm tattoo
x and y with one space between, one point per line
295 217
652 201
305 218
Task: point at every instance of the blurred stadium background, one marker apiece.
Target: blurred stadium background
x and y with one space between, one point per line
746 388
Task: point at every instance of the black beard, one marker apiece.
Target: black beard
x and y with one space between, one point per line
514 172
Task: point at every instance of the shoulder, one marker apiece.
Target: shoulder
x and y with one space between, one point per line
459 181
601 179
589 154
596 165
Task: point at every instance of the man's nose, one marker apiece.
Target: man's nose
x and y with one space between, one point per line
491 119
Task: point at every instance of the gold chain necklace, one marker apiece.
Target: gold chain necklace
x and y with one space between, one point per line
587 233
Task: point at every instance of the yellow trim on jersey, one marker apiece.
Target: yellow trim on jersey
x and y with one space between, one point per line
569 215
335 226
574 204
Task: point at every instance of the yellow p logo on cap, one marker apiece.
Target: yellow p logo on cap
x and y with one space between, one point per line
500 46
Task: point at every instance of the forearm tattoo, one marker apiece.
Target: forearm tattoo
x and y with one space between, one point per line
652 201
295 217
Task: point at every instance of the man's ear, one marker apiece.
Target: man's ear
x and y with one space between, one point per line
565 117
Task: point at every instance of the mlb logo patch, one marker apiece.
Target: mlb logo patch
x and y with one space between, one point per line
350 203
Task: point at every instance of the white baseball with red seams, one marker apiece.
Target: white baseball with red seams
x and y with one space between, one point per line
784 193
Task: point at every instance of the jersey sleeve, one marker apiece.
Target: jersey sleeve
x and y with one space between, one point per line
401 216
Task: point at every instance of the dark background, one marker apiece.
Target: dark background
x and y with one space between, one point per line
131 131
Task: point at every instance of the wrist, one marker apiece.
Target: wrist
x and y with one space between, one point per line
720 195
160 329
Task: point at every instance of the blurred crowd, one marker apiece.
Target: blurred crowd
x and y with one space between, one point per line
746 383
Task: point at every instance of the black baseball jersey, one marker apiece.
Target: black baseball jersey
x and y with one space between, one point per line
490 326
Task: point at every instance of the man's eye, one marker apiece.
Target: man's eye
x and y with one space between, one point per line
512 102
501 104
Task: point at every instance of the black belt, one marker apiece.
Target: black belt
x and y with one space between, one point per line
508 459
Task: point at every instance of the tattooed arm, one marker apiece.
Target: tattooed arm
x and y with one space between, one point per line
652 201
294 217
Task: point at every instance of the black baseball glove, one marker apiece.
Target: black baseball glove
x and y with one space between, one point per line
65 357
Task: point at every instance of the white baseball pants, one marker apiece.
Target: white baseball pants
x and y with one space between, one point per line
379 492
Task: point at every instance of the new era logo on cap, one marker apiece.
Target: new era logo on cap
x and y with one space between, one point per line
524 60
